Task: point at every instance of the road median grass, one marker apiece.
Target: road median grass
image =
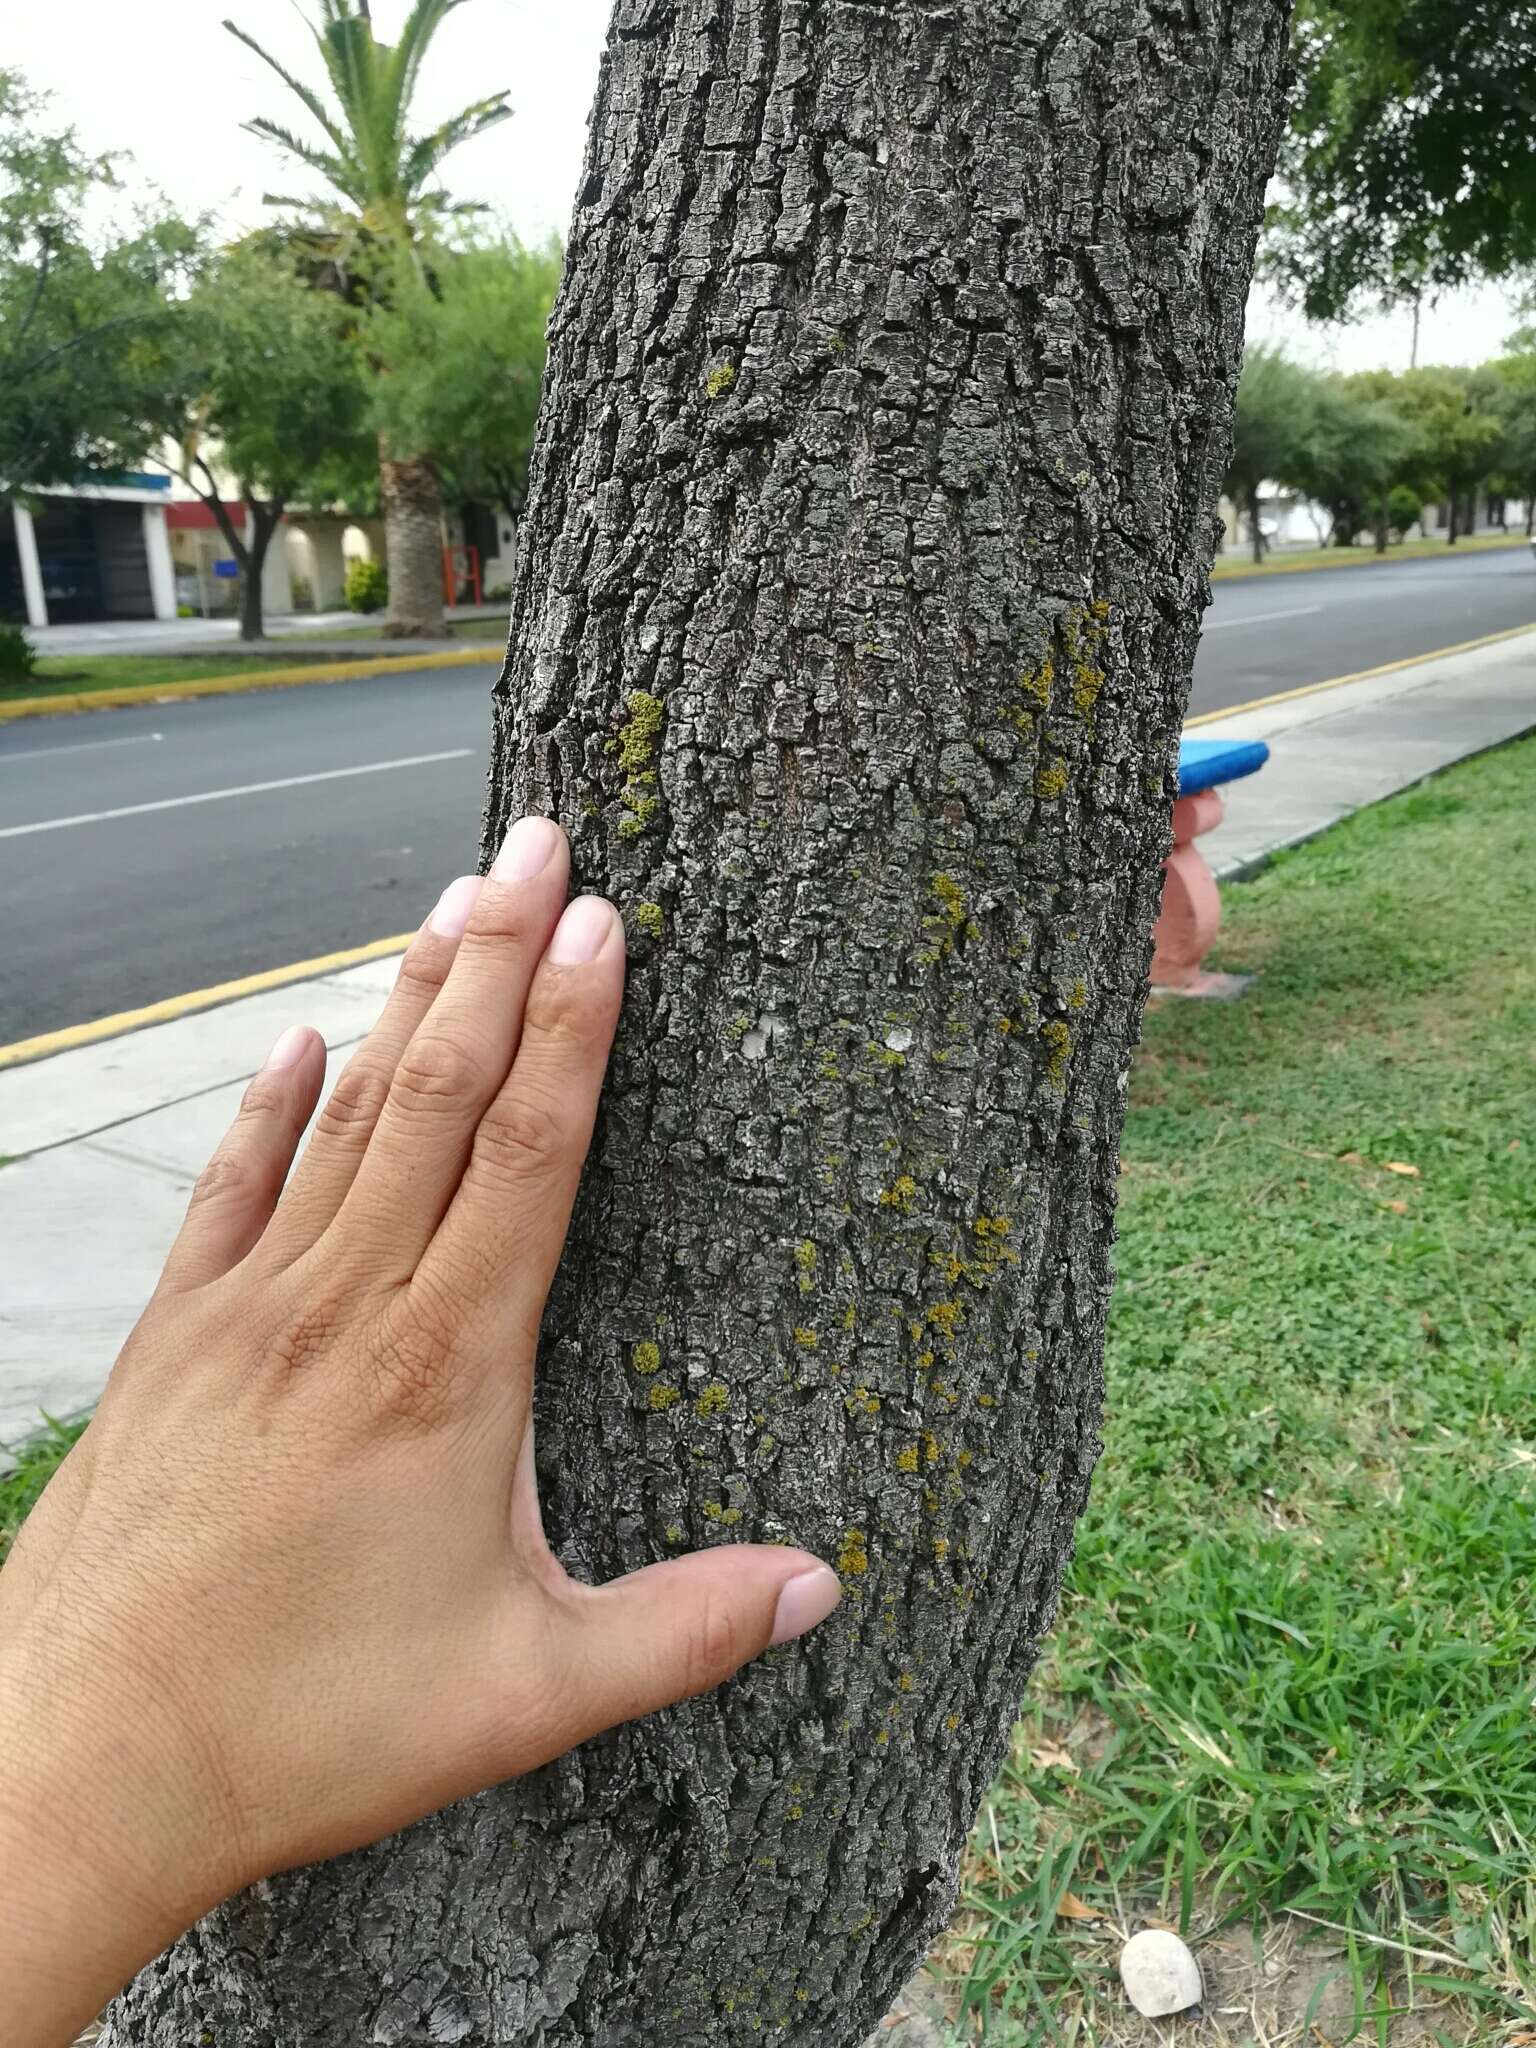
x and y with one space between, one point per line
1233 564
67 683
1293 1672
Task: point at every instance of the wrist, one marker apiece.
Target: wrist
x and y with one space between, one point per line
106 1854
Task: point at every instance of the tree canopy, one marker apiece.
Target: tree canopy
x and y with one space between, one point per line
1408 165
83 319
487 319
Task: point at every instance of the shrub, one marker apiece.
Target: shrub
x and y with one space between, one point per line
1404 505
499 593
18 657
367 586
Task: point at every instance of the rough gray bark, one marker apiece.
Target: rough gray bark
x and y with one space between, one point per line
411 498
889 395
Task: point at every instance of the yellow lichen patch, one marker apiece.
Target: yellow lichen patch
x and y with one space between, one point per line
648 918
1077 995
646 1356
1005 1025
1085 635
720 380
946 1317
985 1401
717 1511
906 1458
714 1400
675 1532
906 1682
1051 780
848 1317
1037 683
805 1260
952 1722
953 916
852 1555
1058 1046
931 1449
663 1396
941 1548
807 1339
900 1195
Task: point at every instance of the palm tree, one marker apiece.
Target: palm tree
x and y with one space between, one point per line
370 223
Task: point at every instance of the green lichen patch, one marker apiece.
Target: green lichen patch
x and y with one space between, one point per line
646 1356
1058 1049
714 1400
900 1195
720 380
1051 779
852 1559
663 1397
638 742
647 917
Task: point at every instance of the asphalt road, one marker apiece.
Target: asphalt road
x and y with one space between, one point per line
150 851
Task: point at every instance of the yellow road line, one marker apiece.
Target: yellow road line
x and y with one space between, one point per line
230 685
1361 675
196 999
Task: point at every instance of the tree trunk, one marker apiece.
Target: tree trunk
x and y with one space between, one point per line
264 520
1255 527
1454 509
858 588
412 500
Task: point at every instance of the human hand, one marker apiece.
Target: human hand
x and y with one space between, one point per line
291 1591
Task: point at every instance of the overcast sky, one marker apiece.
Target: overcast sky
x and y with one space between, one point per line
162 80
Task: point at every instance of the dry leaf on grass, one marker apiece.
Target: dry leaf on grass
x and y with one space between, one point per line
1353 1159
1402 1166
1050 1756
1070 1907
1397 1208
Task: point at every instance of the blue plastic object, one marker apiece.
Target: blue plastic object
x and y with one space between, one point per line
1206 764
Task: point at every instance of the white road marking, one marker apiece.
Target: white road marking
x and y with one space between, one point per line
214 796
138 739
1301 611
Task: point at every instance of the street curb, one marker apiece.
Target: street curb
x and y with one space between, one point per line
1250 573
226 686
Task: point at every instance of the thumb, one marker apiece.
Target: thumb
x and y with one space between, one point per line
680 1628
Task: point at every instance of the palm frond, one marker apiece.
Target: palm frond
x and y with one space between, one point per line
426 18
341 172
427 151
311 100
356 64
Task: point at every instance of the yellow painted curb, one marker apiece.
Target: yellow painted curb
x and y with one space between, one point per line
259 679
196 999
1353 558
1361 675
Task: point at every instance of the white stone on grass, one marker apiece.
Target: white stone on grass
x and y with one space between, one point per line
1159 1974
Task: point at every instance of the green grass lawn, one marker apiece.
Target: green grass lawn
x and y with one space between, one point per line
1295 1662
1238 561
62 675
457 629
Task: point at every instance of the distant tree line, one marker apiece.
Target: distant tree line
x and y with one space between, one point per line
315 364
1373 449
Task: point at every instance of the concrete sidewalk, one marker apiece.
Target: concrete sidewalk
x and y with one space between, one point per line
106 1141
196 636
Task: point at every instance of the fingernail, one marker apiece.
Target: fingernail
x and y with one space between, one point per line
525 850
454 907
808 1598
288 1051
582 932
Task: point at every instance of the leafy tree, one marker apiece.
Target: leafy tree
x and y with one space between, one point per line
269 389
1358 447
83 319
1408 167
1513 380
857 593
1274 430
381 198
1457 442
468 357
